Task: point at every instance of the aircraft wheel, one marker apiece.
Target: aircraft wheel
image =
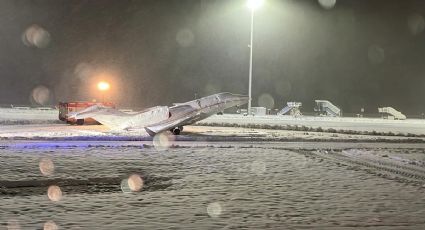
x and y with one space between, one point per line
176 131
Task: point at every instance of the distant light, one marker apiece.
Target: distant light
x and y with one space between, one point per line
254 4
103 86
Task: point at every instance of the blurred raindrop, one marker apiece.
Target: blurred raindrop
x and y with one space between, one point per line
266 100
46 166
13 225
376 54
258 167
214 209
416 23
54 193
41 95
50 225
185 37
327 4
134 183
83 71
124 186
36 36
162 141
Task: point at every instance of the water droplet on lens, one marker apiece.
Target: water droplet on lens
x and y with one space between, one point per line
46 166
84 71
50 225
135 182
162 141
266 100
41 95
214 209
416 23
36 36
54 193
13 225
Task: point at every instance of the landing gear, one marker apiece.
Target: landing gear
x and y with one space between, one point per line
80 122
177 130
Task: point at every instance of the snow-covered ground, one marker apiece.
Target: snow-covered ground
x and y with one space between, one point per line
13 116
58 176
413 126
190 133
212 186
36 123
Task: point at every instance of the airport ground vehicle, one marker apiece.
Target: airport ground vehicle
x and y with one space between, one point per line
67 108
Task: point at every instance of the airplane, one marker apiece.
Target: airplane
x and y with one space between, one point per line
161 118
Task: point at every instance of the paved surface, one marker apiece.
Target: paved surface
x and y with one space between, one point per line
211 186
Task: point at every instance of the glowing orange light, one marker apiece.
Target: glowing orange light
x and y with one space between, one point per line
103 86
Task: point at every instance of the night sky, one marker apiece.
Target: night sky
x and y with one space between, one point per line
356 54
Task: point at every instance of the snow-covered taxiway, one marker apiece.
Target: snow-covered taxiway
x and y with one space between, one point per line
55 176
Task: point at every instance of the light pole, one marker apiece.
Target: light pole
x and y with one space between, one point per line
252 5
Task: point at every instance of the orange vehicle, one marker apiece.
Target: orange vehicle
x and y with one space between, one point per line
65 108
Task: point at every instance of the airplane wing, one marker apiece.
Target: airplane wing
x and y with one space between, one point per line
163 126
180 115
119 120
96 110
